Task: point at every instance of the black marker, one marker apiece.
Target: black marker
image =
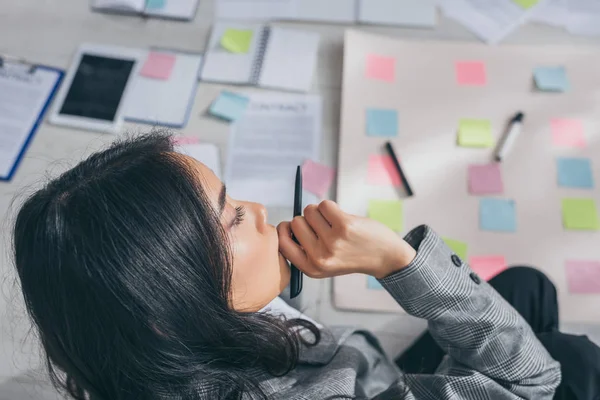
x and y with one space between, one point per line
514 129
390 149
296 279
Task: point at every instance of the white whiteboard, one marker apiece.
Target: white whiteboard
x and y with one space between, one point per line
430 103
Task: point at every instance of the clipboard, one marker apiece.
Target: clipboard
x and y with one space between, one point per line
22 115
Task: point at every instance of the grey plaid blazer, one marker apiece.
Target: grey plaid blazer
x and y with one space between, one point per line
493 353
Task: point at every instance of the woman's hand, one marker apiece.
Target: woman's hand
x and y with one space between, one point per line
334 243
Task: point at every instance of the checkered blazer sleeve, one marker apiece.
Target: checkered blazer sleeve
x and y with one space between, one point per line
493 353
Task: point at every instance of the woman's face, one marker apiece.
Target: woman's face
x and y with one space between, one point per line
260 272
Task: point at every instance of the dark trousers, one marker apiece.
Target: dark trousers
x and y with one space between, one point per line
533 295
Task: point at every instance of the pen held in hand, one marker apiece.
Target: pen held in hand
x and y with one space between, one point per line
296 274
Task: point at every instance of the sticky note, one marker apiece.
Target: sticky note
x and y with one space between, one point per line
470 73
475 133
485 179
580 214
487 266
158 65
583 277
381 68
382 171
155 4
237 40
317 178
575 173
229 106
458 247
497 215
567 132
526 4
388 212
382 122
551 79
373 283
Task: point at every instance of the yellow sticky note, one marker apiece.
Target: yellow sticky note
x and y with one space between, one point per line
236 40
580 214
388 212
458 247
475 133
526 4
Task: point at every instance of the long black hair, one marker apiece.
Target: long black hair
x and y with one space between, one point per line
126 274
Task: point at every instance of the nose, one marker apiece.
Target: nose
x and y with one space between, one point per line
260 211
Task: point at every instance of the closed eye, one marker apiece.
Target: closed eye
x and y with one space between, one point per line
240 212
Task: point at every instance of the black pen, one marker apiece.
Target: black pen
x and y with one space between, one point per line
296 278
390 150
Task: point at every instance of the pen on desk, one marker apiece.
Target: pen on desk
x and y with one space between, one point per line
390 150
296 274
514 129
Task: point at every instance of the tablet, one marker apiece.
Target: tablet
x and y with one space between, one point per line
95 88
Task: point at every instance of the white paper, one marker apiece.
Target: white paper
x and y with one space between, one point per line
277 133
420 13
206 153
554 12
22 98
262 10
584 17
290 60
340 11
120 5
490 20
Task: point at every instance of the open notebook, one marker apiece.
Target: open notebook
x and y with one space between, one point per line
176 9
274 57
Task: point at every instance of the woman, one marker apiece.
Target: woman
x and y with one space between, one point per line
146 281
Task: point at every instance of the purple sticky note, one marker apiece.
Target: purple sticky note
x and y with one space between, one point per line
583 276
317 178
485 179
381 68
158 66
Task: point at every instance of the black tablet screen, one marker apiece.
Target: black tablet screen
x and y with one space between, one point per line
97 87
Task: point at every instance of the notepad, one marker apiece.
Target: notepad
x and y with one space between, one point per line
175 9
165 95
575 173
458 247
388 212
475 133
317 178
497 215
567 133
580 214
583 276
229 106
551 79
487 266
382 122
471 73
278 58
382 171
485 179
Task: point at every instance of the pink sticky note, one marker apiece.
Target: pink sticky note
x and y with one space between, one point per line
382 171
583 276
183 140
567 132
158 66
381 68
317 178
470 73
485 179
487 267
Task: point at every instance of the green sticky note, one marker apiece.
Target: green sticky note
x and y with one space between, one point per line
458 247
526 4
580 214
236 40
475 133
388 212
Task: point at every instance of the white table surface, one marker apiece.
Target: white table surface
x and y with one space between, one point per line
49 31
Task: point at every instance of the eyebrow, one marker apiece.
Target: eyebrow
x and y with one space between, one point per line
222 198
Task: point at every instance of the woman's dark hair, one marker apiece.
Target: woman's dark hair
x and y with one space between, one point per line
126 274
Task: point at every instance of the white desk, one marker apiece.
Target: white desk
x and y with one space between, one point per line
49 31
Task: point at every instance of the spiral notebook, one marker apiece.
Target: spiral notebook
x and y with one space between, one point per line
277 58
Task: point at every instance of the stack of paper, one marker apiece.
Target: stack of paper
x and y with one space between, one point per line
580 17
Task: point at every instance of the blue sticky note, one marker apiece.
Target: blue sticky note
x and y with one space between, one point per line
497 215
551 79
229 106
575 173
382 123
155 4
373 283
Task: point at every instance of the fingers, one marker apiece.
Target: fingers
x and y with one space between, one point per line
303 232
290 249
317 222
331 212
